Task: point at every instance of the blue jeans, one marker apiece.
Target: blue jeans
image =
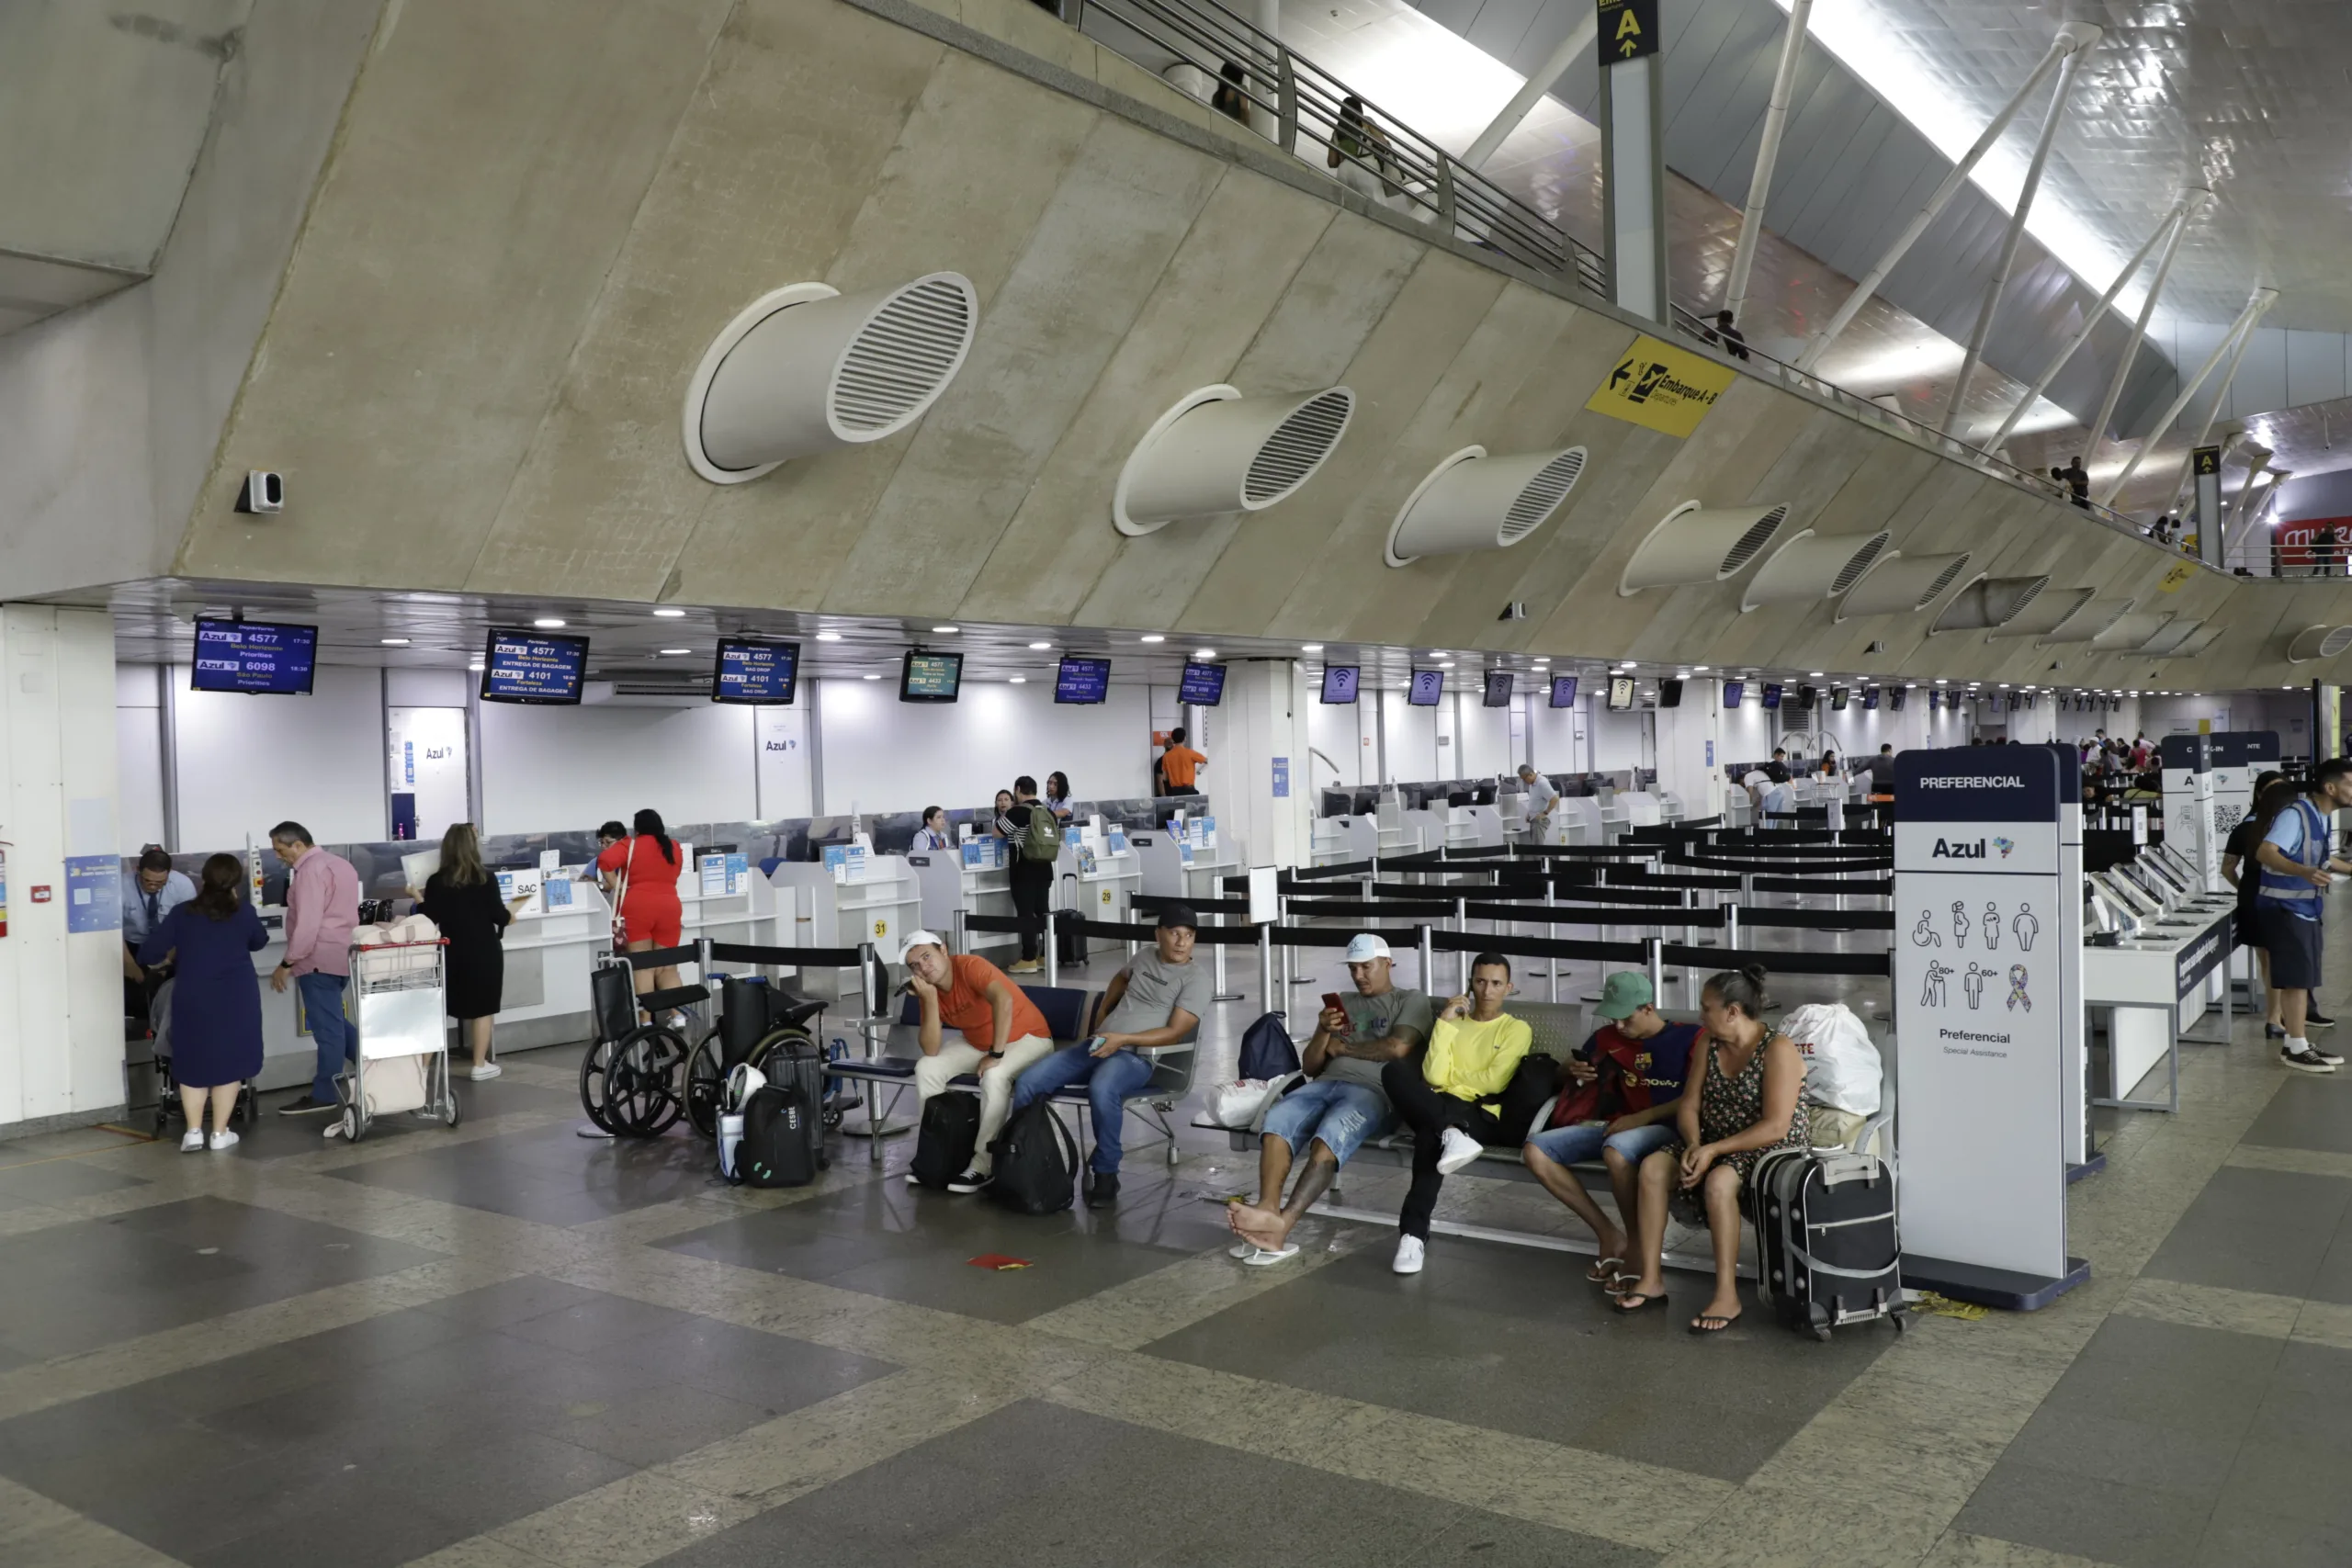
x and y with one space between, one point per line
1340 1114
1108 1081
1585 1140
322 1006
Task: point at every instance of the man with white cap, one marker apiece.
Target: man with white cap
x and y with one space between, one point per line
1004 1035
1331 1115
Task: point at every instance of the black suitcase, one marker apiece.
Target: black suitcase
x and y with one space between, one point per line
1070 943
783 1122
1827 1252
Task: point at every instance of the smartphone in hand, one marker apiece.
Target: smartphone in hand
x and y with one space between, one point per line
1331 1003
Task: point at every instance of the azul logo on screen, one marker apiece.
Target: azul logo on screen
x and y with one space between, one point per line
1948 849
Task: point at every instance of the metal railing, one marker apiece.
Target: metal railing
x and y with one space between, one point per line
1307 112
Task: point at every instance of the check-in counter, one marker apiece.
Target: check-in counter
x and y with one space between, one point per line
1580 821
1642 809
860 899
1338 841
1171 865
1473 826
974 877
1098 882
2166 967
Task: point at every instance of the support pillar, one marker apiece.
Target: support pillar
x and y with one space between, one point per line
2199 200
2231 342
1633 157
1531 91
60 966
1767 157
1257 774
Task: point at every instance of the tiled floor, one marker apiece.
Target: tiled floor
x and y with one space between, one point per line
506 1346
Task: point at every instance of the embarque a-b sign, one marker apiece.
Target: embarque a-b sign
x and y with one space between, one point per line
1661 387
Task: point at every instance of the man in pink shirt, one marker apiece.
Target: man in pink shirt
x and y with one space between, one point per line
321 911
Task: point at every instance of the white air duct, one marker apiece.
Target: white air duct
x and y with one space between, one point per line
2087 622
1898 584
2047 614
807 368
2168 641
2126 633
1810 567
1989 602
1217 452
2204 637
1692 544
2318 642
1472 501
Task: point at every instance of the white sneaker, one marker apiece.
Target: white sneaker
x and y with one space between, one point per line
487 1070
1457 1148
1410 1253
220 1141
192 1141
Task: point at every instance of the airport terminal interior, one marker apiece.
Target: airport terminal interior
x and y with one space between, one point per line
1174 782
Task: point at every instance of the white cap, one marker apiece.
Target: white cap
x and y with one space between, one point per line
1367 947
918 939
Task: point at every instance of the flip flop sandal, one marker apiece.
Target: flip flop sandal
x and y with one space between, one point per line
1260 1259
1699 1324
1604 1273
1642 1302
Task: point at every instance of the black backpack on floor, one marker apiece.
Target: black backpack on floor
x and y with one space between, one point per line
1036 1162
949 1136
784 1121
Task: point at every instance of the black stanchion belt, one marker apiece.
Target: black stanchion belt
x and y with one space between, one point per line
664 957
1862 887
1019 925
1790 963
1647 915
1821 920
1543 947
1342 908
1152 903
786 957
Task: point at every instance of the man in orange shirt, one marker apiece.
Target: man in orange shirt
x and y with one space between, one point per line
1004 1034
1179 764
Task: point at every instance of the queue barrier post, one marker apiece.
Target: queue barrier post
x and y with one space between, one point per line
1266 975
1656 964
1429 957
1217 993
961 937
1050 942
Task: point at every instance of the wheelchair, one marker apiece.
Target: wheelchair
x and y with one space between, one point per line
638 1077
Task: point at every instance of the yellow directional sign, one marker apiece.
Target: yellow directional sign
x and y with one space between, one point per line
2176 577
1662 388
1628 29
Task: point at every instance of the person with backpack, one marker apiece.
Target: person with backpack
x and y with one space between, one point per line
1035 836
2298 859
1341 1105
1158 1000
1004 1036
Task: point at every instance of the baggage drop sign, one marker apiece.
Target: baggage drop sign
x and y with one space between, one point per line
1661 387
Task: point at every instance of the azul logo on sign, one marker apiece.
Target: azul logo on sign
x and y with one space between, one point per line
1946 850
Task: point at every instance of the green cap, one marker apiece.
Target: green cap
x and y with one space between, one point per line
1624 994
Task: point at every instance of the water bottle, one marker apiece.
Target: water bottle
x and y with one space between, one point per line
731 1134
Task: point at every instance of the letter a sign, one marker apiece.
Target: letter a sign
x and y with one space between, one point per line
1628 29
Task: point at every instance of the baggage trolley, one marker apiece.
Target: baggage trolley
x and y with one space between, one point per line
402 1037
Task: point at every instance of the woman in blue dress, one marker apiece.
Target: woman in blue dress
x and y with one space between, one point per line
216 998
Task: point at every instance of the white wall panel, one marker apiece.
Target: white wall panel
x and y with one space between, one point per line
885 755
139 757
1482 737
1337 730
549 768
249 763
1557 735
1616 739
1412 741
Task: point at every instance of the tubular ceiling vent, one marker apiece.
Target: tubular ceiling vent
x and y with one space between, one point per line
2047 614
2128 632
2318 642
2204 637
2169 641
1808 567
1693 544
1989 602
807 368
1472 501
2089 621
1217 452
1897 584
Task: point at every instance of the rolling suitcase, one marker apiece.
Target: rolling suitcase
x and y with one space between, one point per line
1827 1252
783 1127
1070 943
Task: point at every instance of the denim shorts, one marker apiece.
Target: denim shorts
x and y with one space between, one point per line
1584 1140
1341 1114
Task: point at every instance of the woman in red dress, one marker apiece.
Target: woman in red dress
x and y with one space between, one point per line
644 869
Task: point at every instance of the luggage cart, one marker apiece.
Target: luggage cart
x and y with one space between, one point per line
397 991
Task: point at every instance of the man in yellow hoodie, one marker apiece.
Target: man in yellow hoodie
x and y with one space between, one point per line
1447 1095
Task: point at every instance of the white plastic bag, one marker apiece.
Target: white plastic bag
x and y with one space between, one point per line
1841 1065
1237 1104
395 1083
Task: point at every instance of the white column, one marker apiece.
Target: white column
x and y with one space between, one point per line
2231 342
1767 157
1262 746
1690 749
61 990
1524 102
1632 182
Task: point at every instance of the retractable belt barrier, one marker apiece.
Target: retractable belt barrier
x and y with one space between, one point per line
1834 868
786 957
666 957
1014 925
1646 914
1337 909
1821 920
1873 887
1543 947
1152 903
1779 961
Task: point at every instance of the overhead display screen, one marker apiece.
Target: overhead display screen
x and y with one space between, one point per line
1669 694
1733 692
1836 699
1772 694
930 677
1869 697
1894 700
1204 684
1082 680
1427 687
1498 689
1564 691
1340 683
253 655
751 671
1621 693
533 666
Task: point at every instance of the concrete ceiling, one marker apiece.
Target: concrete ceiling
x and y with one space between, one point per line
103 109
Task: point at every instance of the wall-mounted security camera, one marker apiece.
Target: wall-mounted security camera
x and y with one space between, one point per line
264 491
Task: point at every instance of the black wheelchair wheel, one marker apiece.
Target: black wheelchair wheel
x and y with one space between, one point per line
776 1039
643 1080
706 1082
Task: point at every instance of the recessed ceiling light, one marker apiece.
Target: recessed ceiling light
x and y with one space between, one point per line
675 652
1152 637
947 629
1813 675
1021 680
1039 645
670 615
1310 647
1701 669
869 677
393 641
546 623
475 666
1205 653
1445 663
1542 662
829 636
1943 683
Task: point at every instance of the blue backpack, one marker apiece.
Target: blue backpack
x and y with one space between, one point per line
1266 1049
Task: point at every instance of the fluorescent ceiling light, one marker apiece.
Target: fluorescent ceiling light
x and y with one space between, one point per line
546 623
829 636
869 677
675 652
1041 644
1310 647
947 629
1021 680
1205 653
393 641
670 615
1152 637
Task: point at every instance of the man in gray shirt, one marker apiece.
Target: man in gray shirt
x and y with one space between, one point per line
1345 1104
1542 799
1158 1001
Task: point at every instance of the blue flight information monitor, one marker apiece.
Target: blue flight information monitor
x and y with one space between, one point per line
253 655
1733 692
1772 694
1082 680
1564 691
930 677
1427 687
1204 686
1340 683
1498 689
533 666
752 671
